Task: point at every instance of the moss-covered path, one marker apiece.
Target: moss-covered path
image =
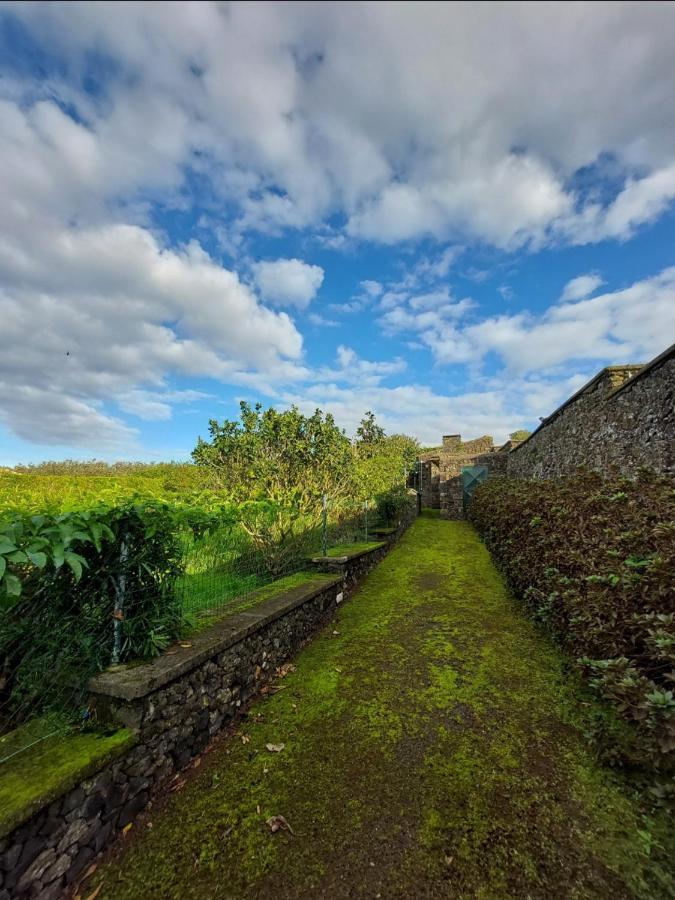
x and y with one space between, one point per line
431 749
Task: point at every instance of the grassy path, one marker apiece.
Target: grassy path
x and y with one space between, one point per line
432 749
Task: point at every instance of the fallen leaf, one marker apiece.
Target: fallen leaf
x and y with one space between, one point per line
127 828
197 762
294 705
258 670
448 860
275 748
95 893
177 785
336 632
90 871
277 822
265 771
186 644
282 671
273 688
245 739
338 669
257 809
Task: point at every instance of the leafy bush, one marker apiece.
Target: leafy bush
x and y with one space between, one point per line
64 574
594 559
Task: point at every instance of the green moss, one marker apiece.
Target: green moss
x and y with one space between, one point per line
254 598
51 765
433 746
354 549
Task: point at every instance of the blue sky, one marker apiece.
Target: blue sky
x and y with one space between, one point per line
452 215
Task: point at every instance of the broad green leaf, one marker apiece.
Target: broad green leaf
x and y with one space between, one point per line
76 563
38 558
12 585
58 555
18 556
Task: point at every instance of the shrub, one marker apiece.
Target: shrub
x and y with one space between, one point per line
63 575
593 559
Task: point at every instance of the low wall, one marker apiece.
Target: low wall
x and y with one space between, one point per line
623 419
168 710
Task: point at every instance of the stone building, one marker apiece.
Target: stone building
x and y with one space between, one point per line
442 478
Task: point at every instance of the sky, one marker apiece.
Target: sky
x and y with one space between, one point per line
452 215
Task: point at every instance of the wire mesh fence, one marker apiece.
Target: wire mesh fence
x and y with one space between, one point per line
138 595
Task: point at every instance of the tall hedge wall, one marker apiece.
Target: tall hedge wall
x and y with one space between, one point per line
594 561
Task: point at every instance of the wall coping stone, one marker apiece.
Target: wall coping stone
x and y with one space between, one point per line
653 364
132 682
372 547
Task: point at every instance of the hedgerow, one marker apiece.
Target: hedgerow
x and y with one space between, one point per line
593 559
67 578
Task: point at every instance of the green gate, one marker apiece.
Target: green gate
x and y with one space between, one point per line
471 478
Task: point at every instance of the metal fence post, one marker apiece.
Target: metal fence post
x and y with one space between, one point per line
120 584
324 526
365 517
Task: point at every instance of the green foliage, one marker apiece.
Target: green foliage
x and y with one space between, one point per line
61 597
594 561
369 432
279 466
382 464
520 435
283 457
55 488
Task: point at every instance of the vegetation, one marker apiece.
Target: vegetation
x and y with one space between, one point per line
433 747
281 466
520 435
102 562
79 586
593 560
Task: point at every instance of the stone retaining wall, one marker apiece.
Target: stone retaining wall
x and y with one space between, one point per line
622 419
174 706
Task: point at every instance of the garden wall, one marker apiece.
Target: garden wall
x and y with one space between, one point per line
624 418
169 709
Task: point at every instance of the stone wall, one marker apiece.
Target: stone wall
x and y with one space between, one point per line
478 452
172 708
622 419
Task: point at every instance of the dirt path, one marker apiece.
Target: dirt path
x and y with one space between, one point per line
432 748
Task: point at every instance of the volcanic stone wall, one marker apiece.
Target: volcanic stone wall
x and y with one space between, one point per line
624 418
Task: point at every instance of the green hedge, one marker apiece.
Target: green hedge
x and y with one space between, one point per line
61 579
594 560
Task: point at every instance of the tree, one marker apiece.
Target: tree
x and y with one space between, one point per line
520 435
382 469
369 432
278 465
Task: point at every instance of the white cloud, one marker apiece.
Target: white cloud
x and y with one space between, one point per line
352 369
321 321
418 410
629 325
288 282
371 288
420 121
581 286
99 315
